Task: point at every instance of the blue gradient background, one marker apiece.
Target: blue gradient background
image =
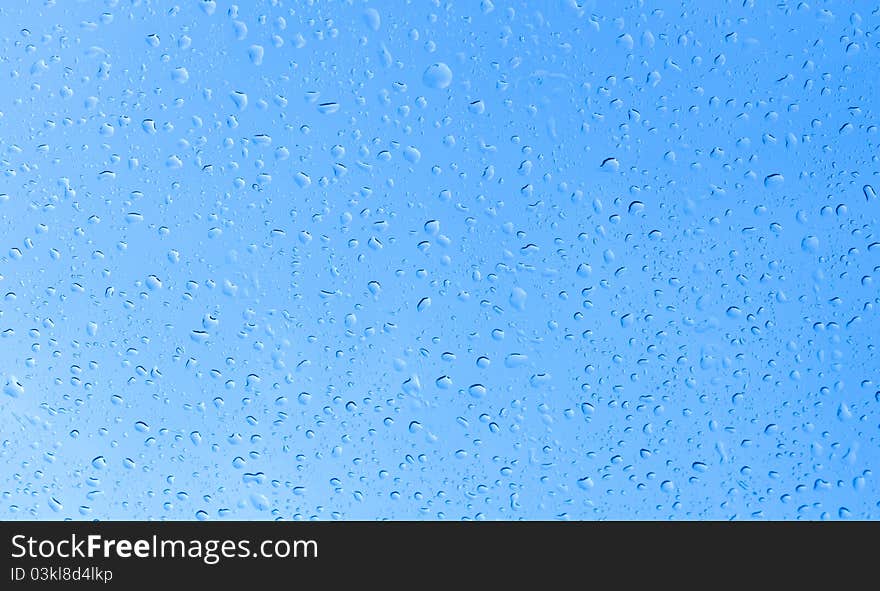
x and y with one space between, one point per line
270 262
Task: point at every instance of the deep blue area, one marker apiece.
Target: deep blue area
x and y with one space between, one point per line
439 260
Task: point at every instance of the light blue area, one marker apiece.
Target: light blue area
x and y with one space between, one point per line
439 260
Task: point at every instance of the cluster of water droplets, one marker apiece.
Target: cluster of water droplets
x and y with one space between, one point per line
440 260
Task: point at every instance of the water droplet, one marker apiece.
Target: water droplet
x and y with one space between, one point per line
437 76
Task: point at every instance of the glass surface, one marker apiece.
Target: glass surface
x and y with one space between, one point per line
439 260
